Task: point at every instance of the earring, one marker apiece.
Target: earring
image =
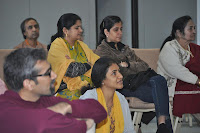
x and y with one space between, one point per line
102 83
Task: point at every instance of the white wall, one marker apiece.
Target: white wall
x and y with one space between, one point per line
121 8
157 16
47 13
11 15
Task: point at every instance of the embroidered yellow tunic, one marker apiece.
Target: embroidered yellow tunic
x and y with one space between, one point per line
57 58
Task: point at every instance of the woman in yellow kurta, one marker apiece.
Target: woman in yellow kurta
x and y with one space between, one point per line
70 58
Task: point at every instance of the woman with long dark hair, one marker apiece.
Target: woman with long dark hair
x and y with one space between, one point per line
70 58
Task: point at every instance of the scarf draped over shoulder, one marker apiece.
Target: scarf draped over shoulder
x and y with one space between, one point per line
59 63
104 126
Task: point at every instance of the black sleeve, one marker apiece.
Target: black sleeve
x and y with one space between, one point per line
76 69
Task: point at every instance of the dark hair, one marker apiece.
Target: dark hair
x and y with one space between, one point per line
107 23
179 24
66 20
23 28
99 72
19 65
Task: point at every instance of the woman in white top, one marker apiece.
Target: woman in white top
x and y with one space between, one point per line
107 78
179 63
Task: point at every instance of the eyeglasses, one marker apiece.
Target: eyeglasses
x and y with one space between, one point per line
47 73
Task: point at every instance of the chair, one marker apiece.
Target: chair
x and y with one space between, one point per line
176 124
188 118
138 116
138 112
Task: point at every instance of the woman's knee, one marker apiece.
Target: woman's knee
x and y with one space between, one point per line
159 83
160 80
158 77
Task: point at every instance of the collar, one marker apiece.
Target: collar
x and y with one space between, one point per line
119 45
27 43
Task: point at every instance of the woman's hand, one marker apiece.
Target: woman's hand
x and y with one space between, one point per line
123 64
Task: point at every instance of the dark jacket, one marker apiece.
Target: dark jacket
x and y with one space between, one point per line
123 54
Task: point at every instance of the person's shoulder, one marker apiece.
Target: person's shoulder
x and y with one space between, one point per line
170 45
89 94
58 41
122 100
102 47
103 44
127 47
21 45
84 45
41 45
120 96
195 45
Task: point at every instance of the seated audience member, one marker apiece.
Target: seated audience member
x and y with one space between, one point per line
3 87
30 31
29 105
70 58
179 63
153 89
107 78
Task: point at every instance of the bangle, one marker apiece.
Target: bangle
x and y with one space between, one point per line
199 83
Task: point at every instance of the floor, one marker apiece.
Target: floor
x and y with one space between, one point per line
185 128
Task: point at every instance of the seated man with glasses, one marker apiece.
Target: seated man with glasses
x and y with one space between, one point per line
30 30
28 106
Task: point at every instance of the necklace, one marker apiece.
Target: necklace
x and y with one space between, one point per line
109 109
112 119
